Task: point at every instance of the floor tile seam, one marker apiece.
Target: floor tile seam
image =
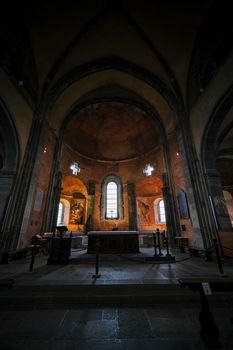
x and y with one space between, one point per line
63 318
102 338
106 282
149 321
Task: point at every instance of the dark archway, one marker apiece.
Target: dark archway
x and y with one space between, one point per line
9 160
210 146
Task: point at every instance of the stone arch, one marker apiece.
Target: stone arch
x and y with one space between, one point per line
209 141
98 73
141 88
209 156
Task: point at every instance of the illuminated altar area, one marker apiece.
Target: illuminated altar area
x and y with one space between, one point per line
114 181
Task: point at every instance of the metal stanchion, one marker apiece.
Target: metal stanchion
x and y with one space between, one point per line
154 240
218 256
34 248
97 246
159 243
167 247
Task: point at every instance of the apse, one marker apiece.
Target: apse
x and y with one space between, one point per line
114 144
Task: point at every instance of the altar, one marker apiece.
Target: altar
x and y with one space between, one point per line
113 241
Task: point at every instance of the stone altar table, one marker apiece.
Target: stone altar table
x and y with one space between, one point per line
113 241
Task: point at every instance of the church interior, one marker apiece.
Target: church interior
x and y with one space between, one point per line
116 117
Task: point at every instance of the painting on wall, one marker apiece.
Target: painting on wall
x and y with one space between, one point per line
183 205
77 211
143 212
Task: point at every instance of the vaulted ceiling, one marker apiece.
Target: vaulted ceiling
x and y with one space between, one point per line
63 36
162 55
112 132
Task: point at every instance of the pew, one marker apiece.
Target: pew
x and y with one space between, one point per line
206 285
6 282
17 254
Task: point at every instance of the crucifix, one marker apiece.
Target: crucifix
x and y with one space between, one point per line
75 168
148 170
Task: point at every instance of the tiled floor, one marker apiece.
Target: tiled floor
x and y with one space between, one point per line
112 268
109 328
171 322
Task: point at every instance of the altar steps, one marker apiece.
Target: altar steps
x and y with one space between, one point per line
116 257
77 296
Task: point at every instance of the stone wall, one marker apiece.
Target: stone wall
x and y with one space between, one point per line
147 189
180 185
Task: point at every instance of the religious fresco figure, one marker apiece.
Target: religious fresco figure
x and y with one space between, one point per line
77 212
144 212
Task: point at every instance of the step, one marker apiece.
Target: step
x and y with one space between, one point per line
76 296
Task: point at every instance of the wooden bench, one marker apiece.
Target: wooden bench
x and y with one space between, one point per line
17 254
6 282
209 331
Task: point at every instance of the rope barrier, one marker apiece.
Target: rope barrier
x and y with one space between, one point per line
143 261
212 248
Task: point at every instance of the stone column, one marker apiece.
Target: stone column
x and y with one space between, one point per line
53 188
56 200
196 189
90 206
132 207
169 212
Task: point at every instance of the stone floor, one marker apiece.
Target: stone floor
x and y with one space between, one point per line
133 305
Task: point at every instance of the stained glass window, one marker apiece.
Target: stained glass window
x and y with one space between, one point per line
161 212
111 201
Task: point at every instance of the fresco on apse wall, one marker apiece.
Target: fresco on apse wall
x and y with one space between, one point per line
143 212
77 211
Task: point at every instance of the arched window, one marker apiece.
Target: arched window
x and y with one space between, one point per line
111 199
161 212
60 216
